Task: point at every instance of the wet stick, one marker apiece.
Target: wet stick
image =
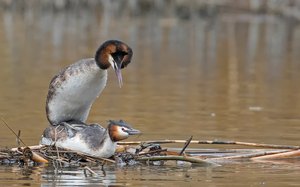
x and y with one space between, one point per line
213 142
33 147
287 154
31 155
86 168
249 155
178 158
153 152
97 158
187 143
17 136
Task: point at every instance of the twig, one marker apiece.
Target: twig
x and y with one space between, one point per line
60 161
103 171
152 152
288 154
186 144
57 151
12 130
178 158
212 142
33 147
18 138
96 158
86 168
249 155
264 145
61 151
91 160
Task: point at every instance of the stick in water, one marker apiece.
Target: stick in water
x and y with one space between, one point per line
12 131
213 142
187 143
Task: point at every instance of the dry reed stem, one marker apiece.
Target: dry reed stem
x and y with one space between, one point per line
38 158
33 147
253 155
288 154
249 155
212 142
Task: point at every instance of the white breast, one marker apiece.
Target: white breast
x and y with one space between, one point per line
74 90
77 144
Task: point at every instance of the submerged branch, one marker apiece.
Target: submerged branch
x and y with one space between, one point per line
178 158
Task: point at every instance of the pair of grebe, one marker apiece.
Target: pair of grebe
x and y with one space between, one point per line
71 95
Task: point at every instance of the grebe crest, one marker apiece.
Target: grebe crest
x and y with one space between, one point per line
119 130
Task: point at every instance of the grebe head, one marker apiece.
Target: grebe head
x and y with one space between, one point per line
116 54
119 130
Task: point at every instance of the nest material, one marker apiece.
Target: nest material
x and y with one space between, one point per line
125 155
150 152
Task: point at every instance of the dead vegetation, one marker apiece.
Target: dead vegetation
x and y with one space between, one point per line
150 153
146 152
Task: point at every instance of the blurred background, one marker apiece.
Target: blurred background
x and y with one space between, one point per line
222 69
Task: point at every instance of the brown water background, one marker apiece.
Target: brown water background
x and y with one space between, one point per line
212 73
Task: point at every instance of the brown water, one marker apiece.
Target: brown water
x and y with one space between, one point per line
228 76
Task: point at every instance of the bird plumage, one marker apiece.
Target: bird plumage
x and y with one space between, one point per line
73 91
90 139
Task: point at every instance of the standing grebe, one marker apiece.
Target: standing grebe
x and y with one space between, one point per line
73 91
93 139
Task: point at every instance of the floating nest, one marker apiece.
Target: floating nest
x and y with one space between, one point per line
149 153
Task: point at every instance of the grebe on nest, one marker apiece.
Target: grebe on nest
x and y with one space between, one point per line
90 139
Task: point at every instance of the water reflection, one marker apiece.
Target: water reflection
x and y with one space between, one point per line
272 174
77 177
21 176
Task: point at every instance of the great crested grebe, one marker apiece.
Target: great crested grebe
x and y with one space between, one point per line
73 91
90 139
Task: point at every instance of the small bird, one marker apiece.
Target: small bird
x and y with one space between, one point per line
93 139
73 91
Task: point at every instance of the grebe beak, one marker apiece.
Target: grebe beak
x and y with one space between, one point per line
133 131
117 65
118 73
